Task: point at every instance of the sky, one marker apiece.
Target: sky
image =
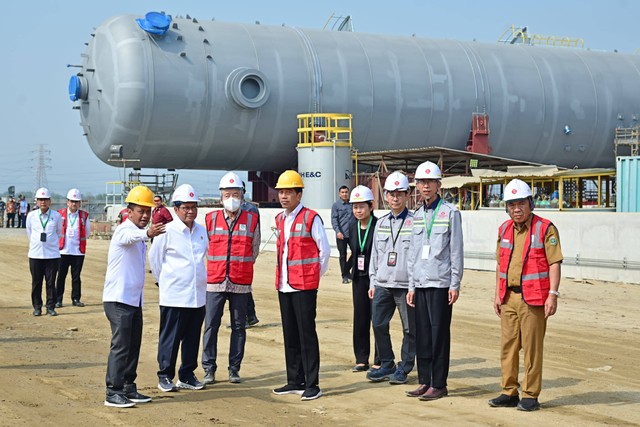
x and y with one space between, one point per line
40 37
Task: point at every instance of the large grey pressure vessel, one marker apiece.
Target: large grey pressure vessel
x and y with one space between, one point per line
215 95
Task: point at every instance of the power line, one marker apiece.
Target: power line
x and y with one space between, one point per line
43 162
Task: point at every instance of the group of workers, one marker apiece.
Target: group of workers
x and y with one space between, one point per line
407 261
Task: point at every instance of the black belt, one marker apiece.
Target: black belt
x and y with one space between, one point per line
516 289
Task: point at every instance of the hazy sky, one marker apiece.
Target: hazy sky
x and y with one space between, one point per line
40 37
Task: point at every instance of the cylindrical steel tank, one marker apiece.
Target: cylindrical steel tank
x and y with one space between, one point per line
215 95
324 170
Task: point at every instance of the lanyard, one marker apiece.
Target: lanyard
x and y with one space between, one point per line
433 217
44 224
72 219
362 241
395 239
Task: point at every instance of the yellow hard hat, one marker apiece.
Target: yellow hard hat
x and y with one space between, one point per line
289 179
140 195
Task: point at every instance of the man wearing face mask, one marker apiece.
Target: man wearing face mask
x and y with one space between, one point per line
234 243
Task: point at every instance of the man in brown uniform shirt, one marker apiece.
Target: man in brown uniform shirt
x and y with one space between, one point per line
527 280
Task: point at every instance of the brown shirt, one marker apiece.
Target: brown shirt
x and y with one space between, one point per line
520 234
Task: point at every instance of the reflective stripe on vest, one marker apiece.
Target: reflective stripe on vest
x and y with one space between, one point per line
82 229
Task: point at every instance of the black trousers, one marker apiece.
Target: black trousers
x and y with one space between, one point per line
251 307
126 337
179 325
301 347
11 220
74 262
213 319
433 335
345 264
362 320
47 269
22 220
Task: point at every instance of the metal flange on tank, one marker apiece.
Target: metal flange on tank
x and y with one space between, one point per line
324 156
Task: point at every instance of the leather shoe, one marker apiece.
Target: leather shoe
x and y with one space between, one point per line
78 303
361 367
504 401
434 393
422 389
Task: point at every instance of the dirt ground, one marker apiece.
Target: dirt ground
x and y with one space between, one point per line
53 368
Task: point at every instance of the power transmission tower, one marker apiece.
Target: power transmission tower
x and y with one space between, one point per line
43 162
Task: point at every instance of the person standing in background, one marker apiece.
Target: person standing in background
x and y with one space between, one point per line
341 221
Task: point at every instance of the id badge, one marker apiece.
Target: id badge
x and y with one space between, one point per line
425 251
360 262
43 237
391 259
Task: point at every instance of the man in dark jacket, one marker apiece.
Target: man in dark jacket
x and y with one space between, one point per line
341 220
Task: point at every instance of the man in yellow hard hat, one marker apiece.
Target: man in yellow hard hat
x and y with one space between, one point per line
303 256
122 297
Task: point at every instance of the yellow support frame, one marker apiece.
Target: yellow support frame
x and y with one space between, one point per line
325 130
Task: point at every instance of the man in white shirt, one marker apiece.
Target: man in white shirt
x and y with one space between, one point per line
73 245
122 298
44 227
177 262
303 257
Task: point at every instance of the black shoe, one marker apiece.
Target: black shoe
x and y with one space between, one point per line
136 397
252 321
209 377
360 367
346 280
37 312
290 389
234 376
78 303
311 393
51 312
58 304
504 401
118 401
528 404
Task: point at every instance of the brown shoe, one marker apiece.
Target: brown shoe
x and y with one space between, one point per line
434 393
422 389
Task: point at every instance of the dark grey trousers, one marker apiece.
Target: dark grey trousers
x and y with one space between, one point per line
126 337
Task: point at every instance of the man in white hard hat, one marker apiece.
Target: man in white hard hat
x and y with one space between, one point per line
302 251
176 259
234 244
44 227
76 228
341 220
527 281
390 282
436 262
122 298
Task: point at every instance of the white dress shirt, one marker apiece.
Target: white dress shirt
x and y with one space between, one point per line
318 234
72 236
177 262
124 280
52 222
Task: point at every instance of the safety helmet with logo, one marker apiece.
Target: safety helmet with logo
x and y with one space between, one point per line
230 180
289 179
517 189
43 193
361 194
184 193
140 195
74 195
396 181
428 170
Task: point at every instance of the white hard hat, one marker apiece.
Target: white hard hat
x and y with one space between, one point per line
230 180
396 181
361 194
184 193
74 195
43 193
516 190
428 170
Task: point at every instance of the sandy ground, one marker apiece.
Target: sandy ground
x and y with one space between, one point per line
53 368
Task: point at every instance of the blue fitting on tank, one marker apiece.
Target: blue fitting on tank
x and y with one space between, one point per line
75 88
155 23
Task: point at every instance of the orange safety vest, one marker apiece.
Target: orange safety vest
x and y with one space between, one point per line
303 257
82 227
535 268
230 253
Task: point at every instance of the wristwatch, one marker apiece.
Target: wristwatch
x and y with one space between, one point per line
556 293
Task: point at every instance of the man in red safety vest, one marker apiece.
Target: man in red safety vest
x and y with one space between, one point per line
527 281
234 244
303 256
73 246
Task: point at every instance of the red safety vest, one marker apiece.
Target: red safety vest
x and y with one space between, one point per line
303 257
535 268
230 253
82 228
